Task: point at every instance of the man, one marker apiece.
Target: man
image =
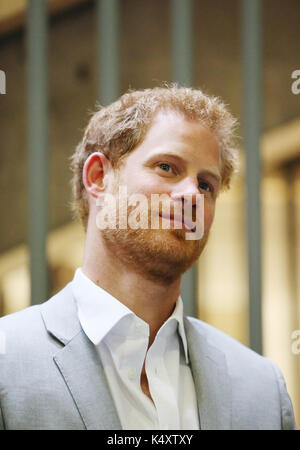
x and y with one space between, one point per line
113 350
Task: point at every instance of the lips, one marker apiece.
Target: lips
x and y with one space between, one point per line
186 224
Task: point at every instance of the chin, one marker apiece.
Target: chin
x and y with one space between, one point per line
159 255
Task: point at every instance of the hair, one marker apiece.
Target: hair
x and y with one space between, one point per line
117 129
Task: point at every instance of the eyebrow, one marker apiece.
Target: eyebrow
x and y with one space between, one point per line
211 171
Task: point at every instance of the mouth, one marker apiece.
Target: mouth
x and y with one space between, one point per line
187 225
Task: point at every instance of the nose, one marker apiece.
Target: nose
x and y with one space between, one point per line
187 192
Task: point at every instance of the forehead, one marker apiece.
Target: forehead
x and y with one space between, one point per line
172 132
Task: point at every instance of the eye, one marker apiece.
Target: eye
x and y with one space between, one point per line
205 186
165 167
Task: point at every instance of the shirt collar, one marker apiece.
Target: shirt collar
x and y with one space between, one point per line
99 312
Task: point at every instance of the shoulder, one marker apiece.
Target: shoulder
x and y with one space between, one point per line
239 357
243 364
26 345
30 319
29 378
252 375
26 329
217 338
22 323
223 341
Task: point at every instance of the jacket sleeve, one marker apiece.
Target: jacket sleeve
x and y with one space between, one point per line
287 414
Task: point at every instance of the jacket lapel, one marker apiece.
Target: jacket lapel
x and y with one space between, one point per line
211 378
79 363
83 373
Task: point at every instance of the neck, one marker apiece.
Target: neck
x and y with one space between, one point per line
153 302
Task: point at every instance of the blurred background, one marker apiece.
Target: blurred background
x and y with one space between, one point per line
61 57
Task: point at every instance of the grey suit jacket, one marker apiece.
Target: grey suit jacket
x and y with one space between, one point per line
51 376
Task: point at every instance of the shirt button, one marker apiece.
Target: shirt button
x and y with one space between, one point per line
132 374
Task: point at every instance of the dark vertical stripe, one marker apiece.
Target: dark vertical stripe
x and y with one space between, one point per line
253 116
108 50
37 147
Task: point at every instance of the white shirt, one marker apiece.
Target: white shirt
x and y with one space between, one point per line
121 339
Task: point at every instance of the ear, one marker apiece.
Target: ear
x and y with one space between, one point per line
94 170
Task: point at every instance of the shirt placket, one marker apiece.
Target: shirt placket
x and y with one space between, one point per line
129 355
162 391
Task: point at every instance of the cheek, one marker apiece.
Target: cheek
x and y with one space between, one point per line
209 212
145 186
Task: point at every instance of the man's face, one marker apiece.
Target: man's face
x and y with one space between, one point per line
180 158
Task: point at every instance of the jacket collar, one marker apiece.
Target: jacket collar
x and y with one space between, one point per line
60 315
